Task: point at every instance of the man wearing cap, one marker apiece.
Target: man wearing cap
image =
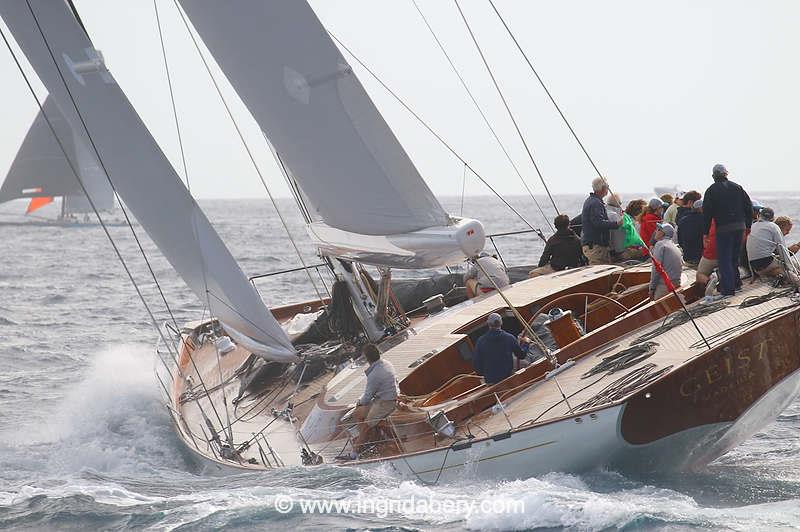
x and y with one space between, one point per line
494 351
595 225
730 207
667 253
763 241
690 229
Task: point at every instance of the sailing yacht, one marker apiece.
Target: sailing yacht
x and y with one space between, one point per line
41 172
623 381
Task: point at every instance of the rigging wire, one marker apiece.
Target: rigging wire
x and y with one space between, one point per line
127 218
546 90
435 134
80 181
480 111
102 164
247 149
505 104
229 433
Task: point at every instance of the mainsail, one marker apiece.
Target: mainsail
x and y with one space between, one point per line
316 114
85 92
40 170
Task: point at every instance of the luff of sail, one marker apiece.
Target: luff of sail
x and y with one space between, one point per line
326 129
141 174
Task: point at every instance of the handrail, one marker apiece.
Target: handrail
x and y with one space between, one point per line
290 270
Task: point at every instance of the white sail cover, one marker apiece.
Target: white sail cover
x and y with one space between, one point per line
40 168
304 95
141 174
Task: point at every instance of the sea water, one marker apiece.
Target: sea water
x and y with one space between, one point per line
86 443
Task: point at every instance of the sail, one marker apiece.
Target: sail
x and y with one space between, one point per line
315 112
40 169
37 203
141 174
95 182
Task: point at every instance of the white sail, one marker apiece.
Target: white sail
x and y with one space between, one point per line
317 115
95 182
39 168
141 174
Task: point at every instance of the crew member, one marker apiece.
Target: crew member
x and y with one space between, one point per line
494 352
763 241
596 225
690 230
667 253
562 250
729 205
476 280
379 398
785 223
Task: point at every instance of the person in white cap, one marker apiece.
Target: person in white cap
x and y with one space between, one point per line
667 253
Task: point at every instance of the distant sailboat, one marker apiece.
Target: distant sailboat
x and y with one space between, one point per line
41 172
635 382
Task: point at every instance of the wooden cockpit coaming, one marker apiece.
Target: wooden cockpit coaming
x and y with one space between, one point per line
439 369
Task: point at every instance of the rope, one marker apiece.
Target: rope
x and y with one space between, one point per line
483 115
623 359
679 318
431 131
623 386
508 108
541 82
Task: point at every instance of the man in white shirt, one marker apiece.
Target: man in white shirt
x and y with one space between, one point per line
379 398
762 243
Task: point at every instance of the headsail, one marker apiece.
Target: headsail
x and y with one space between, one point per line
40 169
317 115
141 174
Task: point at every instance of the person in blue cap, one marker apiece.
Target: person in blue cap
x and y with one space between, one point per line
494 351
728 205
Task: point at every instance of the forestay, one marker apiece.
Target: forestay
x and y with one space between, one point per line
315 112
139 171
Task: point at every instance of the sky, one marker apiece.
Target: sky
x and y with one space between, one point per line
657 91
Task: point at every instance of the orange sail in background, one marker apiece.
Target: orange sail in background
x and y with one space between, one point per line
37 203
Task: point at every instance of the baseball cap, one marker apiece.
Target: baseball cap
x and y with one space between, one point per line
667 228
656 203
756 205
767 214
697 205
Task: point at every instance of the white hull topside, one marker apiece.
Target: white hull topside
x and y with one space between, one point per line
578 444
510 447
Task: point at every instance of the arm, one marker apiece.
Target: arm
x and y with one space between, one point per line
596 212
658 254
708 211
747 205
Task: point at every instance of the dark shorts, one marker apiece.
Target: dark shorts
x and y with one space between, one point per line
760 264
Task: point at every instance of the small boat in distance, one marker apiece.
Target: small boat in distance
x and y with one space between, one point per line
40 171
672 190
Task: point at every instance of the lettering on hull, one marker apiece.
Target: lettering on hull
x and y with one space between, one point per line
717 386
